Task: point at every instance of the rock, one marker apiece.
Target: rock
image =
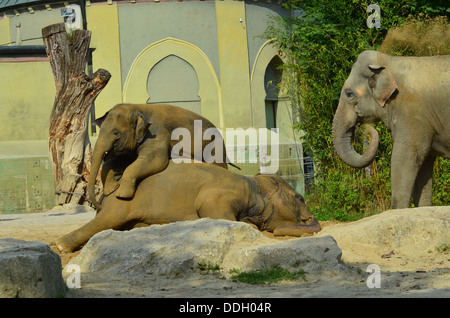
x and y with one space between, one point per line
314 255
29 269
410 232
407 239
178 249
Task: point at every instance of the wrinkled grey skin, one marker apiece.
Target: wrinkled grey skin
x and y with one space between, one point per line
411 96
189 191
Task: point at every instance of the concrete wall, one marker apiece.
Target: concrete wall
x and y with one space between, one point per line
27 92
205 56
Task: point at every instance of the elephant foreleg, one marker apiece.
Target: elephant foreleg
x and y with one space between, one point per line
145 165
110 184
403 175
407 160
112 171
423 187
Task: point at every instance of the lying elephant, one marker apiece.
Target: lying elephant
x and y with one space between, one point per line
144 132
411 96
189 191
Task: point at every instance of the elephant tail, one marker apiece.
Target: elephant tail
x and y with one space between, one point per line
233 165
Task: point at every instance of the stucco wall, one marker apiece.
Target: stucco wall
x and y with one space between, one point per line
103 22
142 24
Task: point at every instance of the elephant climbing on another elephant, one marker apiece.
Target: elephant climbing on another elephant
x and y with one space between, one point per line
189 191
144 133
411 96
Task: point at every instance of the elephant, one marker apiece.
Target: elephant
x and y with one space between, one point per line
189 191
144 133
411 96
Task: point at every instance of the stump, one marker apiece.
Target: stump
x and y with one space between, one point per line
69 146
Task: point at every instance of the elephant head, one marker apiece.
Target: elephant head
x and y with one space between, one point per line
285 212
122 130
363 101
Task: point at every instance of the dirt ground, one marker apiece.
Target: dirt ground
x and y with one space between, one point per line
428 276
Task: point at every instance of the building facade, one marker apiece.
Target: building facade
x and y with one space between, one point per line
205 56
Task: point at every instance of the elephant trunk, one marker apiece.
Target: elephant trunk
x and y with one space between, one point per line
97 157
298 229
343 135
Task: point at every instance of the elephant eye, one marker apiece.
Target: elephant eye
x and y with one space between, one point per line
349 93
116 134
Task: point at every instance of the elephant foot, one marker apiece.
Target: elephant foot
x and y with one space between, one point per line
66 244
125 192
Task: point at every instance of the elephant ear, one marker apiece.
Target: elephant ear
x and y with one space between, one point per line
382 83
267 184
99 121
141 127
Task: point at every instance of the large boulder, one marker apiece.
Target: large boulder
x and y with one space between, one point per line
29 269
178 249
407 235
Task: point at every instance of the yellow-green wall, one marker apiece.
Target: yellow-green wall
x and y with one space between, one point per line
5 37
103 22
233 61
27 93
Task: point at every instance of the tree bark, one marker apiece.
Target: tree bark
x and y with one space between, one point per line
69 146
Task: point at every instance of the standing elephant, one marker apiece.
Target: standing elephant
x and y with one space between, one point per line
143 132
189 191
411 96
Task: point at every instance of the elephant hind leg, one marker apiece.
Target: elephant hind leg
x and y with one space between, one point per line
110 217
77 238
423 187
216 204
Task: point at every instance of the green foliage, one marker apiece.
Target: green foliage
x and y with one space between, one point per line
320 45
443 248
441 185
348 195
208 267
273 274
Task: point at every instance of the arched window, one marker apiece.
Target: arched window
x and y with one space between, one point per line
174 81
272 80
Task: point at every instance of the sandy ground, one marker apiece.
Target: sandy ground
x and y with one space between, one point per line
428 276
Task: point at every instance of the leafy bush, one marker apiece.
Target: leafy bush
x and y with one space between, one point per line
321 43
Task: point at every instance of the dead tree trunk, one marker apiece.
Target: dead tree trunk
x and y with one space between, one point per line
69 146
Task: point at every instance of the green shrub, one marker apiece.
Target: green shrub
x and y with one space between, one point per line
273 274
208 267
